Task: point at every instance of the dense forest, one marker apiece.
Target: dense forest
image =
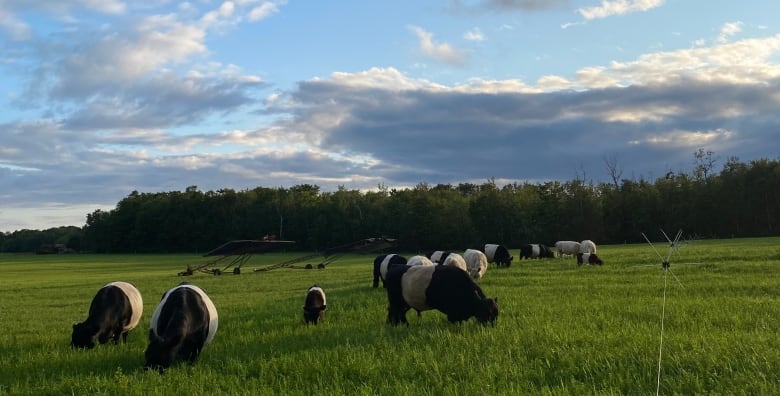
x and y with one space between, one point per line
743 200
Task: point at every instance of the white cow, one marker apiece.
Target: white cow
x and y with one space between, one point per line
587 246
418 260
567 248
476 263
456 260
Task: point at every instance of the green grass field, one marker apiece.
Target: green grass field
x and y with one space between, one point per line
562 329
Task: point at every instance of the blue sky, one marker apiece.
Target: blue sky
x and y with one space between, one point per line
101 98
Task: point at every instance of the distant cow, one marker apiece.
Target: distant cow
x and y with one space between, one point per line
183 323
476 263
438 256
315 305
587 246
588 258
535 251
418 260
455 260
567 248
440 287
114 311
498 254
382 263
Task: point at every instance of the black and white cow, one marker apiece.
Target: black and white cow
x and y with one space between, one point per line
440 287
114 311
183 323
315 305
498 254
382 263
535 251
589 258
438 256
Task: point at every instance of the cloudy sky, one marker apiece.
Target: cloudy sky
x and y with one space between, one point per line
103 97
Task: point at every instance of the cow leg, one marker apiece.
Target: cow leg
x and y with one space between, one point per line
117 333
104 336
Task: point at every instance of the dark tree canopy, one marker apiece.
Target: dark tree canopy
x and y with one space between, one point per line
743 200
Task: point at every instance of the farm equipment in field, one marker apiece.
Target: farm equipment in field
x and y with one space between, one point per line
240 251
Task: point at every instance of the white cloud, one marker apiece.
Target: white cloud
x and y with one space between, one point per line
729 29
474 34
618 7
263 11
441 52
17 29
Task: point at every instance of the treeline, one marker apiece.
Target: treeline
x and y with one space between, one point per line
743 200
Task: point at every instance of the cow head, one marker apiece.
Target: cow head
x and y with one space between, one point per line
313 314
595 260
161 352
83 336
487 311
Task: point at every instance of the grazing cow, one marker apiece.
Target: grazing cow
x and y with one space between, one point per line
587 246
455 260
476 263
589 258
438 256
567 248
440 287
183 323
498 254
536 251
381 265
418 260
315 305
114 311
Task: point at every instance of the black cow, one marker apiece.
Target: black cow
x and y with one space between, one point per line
536 251
315 305
589 258
382 263
498 254
444 288
182 324
114 311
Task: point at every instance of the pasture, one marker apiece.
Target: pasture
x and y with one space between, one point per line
562 329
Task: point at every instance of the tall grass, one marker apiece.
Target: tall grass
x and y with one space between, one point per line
562 329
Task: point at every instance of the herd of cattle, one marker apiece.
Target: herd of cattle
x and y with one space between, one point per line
186 320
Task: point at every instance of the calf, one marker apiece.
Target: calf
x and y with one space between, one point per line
382 263
114 311
440 287
498 254
588 258
183 323
315 305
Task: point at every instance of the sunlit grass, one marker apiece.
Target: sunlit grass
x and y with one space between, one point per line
563 329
